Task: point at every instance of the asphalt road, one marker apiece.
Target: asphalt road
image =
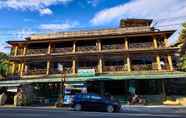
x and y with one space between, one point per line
61 113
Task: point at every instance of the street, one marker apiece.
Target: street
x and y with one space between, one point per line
62 113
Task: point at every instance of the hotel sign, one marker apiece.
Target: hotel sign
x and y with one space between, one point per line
86 72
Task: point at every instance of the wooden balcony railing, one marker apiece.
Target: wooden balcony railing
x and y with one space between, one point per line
62 50
19 52
86 48
144 67
56 71
114 46
141 45
89 67
114 68
36 51
35 71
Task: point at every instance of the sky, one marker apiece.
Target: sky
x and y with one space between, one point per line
21 18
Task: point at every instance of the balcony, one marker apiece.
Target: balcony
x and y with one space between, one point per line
141 45
144 67
114 68
89 67
35 71
36 51
111 47
56 71
62 50
86 48
19 52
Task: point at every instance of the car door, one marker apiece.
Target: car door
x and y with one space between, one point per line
96 102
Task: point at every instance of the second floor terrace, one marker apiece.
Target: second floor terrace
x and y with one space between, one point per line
86 46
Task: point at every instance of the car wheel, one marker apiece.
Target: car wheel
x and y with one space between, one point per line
110 108
77 107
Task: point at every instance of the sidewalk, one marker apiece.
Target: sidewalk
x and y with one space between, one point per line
154 109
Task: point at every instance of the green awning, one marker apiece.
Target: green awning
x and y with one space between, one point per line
124 76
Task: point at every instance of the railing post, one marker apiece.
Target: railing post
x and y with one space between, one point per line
158 62
170 62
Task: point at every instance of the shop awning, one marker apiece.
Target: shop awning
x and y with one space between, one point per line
71 79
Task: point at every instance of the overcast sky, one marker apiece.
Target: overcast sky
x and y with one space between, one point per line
20 18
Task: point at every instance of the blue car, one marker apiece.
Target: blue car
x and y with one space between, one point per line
95 102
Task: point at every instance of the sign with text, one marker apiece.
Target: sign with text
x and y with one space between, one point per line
86 72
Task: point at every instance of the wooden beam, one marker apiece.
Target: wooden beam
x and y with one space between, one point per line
126 43
100 67
158 62
15 51
165 40
74 46
155 42
74 66
49 48
170 62
98 43
128 63
22 69
48 67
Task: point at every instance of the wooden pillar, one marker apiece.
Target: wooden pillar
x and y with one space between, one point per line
100 66
128 64
170 62
48 61
22 68
48 67
155 42
49 48
74 47
158 62
126 43
22 65
74 66
15 51
13 68
98 44
166 40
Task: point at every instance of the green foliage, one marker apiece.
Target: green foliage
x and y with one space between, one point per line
182 39
182 36
4 64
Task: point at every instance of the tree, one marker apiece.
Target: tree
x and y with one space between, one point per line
4 64
182 40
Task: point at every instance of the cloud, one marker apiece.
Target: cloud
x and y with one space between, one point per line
167 14
94 3
56 27
45 11
32 5
155 9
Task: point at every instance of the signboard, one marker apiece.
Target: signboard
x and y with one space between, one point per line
86 72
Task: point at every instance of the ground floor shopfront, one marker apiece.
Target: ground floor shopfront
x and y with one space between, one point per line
154 88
